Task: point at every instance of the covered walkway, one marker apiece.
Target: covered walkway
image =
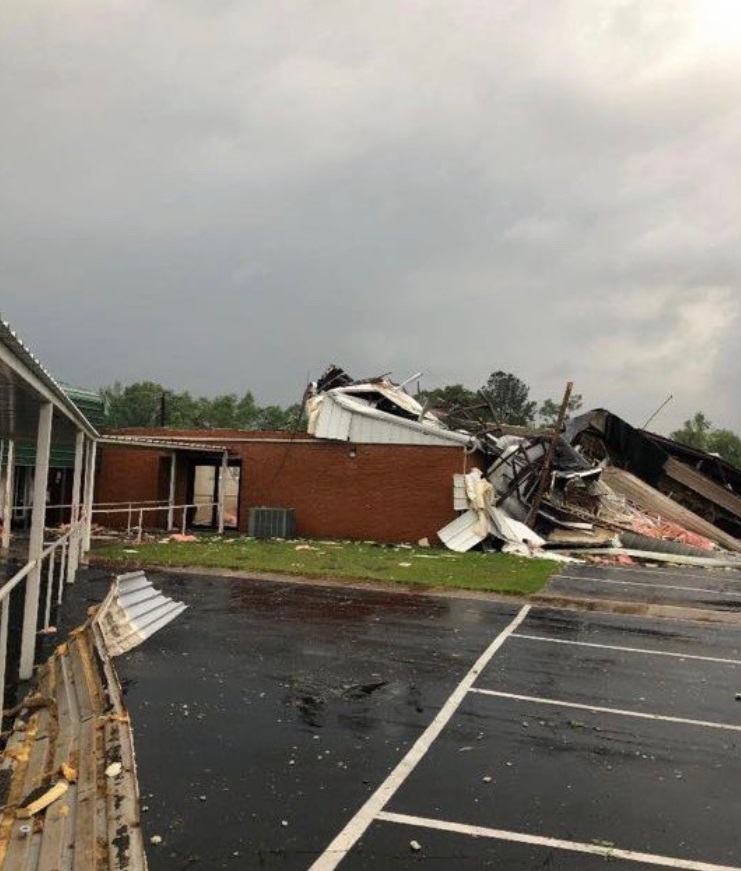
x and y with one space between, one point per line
34 407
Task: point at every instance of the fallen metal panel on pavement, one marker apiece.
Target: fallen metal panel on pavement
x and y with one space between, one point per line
132 611
71 796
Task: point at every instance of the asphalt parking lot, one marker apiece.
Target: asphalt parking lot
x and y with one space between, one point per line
292 726
706 589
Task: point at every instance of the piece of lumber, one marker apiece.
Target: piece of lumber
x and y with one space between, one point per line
54 792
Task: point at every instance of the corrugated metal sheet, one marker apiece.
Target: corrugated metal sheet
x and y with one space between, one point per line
132 611
346 418
90 403
62 455
332 421
69 744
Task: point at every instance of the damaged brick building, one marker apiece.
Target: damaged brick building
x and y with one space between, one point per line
374 464
354 490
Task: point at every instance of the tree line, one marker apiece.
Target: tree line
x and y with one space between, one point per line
698 432
504 398
149 404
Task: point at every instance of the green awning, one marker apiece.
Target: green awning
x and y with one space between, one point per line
62 456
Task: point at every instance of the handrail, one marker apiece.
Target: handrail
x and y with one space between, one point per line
21 574
8 587
62 538
164 507
97 506
130 508
57 573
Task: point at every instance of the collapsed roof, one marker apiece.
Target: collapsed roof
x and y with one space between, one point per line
373 411
706 485
599 484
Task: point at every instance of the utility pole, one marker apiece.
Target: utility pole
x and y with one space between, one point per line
547 462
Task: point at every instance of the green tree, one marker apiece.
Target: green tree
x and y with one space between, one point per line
248 411
549 409
137 404
273 417
451 396
698 432
220 412
181 410
149 404
508 399
694 432
726 444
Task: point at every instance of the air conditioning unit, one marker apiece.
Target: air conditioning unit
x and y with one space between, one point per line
271 523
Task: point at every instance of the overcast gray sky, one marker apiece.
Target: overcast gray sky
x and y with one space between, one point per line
225 195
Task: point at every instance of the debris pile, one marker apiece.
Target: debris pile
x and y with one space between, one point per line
68 770
598 487
373 411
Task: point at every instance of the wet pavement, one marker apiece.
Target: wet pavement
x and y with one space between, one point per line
706 589
268 713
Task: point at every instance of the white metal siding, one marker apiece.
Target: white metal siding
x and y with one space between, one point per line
342 417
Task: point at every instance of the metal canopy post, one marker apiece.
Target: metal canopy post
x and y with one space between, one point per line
89 493
36 541
74 545
222 490
8 488
171 497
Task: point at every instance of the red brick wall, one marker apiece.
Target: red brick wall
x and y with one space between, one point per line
393 493
128 475
384 493
125 474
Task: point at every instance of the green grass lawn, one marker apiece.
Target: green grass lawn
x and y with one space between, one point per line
364 561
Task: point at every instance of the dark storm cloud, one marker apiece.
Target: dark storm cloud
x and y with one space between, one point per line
228 196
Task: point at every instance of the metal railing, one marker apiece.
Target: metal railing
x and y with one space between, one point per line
58 563
132 508
99 505
135 508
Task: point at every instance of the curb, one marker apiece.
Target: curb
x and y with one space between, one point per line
639 609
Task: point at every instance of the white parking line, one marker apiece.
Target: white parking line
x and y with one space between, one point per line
649 584
702 575
605 852
626 649
357 826
708 724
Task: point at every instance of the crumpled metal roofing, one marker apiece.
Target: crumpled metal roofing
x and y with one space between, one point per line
338 415
132 611
72 747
